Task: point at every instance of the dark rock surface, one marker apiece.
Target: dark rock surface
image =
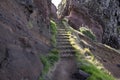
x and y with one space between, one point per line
24 35
102 16
80 75
53 11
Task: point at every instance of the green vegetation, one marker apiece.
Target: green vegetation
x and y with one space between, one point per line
48 61
88 33
93 67
30 24
85 58
53 28
96 74
88 63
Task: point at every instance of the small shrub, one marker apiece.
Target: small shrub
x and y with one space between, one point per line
48 61
54 51
52 59
53 32
45 63
53 27
88 33
53 56
53 40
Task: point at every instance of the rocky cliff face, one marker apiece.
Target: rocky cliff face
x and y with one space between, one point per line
24 35
53 11
102 16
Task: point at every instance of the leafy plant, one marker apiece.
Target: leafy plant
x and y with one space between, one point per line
87 32
45 63
48 61
53 28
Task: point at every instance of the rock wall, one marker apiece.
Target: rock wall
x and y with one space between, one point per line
53 11
102 15
24 35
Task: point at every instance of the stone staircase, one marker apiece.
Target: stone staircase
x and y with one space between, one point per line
63 44
66 68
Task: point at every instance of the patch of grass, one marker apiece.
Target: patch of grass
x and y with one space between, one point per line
87 32
48 61
96 74
92 66
45 63
53 28
87 62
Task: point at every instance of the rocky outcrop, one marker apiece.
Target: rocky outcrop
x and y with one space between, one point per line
79 17
53 11
102 16
24 35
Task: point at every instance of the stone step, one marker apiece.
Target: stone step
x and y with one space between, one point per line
63 37
63 34
66 55
67 51
66 47
63 43
62 31
63 40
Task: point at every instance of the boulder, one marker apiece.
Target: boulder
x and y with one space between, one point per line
80 75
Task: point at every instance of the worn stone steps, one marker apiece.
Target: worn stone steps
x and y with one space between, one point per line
67 51
64 40
65 47
62 29
63 44
67 55
67 42
63 35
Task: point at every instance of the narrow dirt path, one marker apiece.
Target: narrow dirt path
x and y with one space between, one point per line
65 69
67 64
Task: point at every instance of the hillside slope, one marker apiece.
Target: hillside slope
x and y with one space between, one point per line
101 16
106 55
24 35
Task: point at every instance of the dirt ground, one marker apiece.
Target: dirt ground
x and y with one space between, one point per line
65 68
